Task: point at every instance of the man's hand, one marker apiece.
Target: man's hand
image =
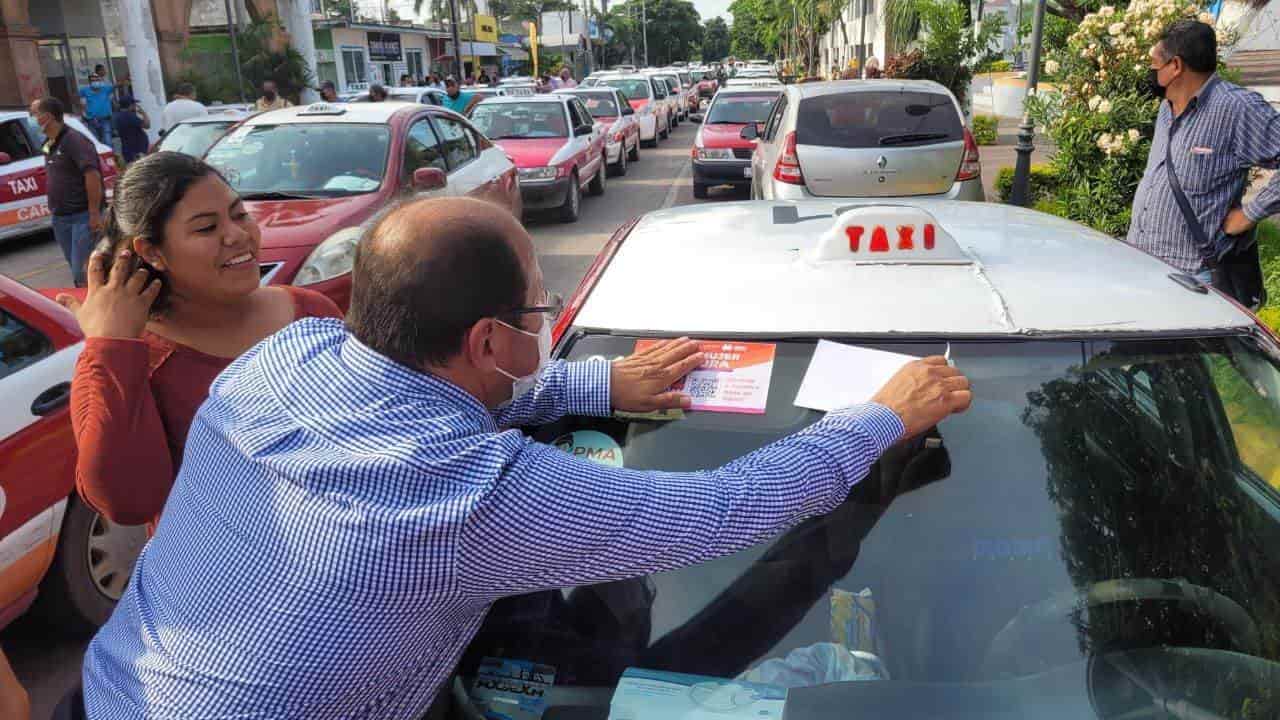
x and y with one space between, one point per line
95 221
117 306
641 382
924 392
1236 222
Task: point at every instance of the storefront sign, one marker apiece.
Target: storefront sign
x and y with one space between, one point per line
486 29
384 47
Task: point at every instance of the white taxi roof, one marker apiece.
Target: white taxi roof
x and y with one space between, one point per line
766 267
365 113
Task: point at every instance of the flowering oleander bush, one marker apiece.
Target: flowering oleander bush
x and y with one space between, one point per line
1102 121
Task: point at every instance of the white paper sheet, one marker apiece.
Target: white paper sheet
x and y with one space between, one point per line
843 375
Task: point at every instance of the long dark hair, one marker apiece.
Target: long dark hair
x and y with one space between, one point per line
144 198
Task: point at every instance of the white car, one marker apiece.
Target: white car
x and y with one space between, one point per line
24 206
652 110
1094 539
615 118
420 95
194 136
675 96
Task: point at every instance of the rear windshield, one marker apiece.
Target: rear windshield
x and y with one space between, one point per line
633 89
498 120
1095 538
194 139
878 119
741 109
600 104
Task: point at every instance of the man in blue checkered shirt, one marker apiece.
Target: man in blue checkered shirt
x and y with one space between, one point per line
1214 132
349 506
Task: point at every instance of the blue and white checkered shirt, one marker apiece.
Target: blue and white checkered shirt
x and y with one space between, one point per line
341 525
1224 131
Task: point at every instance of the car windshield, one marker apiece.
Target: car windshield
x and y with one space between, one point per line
878 119
696 75
600 104
520 120
1095 538
303 159
632 88
740 109
194 138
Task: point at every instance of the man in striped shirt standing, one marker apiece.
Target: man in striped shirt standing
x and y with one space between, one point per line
350 505
1213 132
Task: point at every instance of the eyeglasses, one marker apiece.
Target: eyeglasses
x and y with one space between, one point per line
552 305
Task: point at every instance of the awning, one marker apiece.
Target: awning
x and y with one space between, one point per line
482 49
514 53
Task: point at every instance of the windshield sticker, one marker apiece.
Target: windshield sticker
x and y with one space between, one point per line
591 445
653 695
512 689
840 376
734 377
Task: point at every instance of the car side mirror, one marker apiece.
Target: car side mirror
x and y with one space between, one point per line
750 132
429 178
582 130
5 158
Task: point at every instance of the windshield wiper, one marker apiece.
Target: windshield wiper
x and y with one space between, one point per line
912 137
278 195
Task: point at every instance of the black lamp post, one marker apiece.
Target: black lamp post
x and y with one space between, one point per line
1020 194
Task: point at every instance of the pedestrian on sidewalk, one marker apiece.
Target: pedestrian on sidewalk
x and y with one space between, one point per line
328 92
1188 209
183 106
96 98
353 497
173 299
271 98
131 123
73 176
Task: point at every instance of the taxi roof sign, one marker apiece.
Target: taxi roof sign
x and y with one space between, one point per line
322 108
889 235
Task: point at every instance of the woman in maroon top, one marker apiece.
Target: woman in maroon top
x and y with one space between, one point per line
180 302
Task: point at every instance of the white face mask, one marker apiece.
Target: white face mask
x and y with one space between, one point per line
521 386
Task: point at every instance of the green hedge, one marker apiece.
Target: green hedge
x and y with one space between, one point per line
995 66
1044 183
1269 252
984 129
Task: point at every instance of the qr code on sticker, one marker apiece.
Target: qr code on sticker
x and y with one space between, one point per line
701 388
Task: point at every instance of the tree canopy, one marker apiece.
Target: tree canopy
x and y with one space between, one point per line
715 39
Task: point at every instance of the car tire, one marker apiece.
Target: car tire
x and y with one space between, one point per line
596 187
651 143
572 206
700 191
666 132
86 578
619 168
634 154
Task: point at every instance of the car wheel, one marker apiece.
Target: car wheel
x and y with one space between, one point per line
91 567
634 154
620 168
572 206
666 132
700 191
596 186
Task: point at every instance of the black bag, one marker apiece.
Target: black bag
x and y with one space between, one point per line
1238 273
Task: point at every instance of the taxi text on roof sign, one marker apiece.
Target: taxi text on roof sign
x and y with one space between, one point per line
889 235
322 108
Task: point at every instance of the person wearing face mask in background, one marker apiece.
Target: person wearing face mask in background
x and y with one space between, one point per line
1188 208
352 500
271 98
96 98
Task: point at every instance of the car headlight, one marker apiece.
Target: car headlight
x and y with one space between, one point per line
715 154
331 258
538 173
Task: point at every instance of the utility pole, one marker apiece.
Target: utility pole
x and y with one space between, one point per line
644 30
457 40
862 40
586 10
235 48
1020 194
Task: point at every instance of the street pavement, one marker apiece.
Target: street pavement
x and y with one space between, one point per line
47 661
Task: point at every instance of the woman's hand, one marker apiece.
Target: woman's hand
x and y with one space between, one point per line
116 306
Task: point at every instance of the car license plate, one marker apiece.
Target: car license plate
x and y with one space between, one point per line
746 171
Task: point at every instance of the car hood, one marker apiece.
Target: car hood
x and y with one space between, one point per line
531 152
297 223
726 135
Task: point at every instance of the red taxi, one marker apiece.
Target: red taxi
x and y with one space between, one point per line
555 144
24 207
615 118
50 541
720 156
312 175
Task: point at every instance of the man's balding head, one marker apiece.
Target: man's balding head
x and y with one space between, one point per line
428 271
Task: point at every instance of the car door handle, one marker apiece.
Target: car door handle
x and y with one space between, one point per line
51 399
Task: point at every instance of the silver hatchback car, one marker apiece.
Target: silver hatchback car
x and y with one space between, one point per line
865 138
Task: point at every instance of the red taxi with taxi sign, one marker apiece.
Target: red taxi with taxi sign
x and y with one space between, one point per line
1093 538
720 155
615 118
24 205
554 142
